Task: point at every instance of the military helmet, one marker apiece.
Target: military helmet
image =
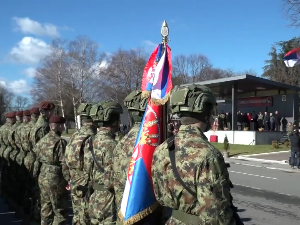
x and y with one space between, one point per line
135 102
84 109
191 98
102 111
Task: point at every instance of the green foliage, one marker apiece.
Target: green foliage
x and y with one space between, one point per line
275 69
226 143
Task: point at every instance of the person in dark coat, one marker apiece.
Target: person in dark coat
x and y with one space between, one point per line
239 120
245 121
229 120
277 121
295 149
266 121
260 120
284 123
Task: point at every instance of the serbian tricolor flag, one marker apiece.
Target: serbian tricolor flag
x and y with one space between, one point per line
138 198
292 58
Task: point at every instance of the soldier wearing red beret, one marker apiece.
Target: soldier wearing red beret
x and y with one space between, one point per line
5 178
40 129
11 154
14 121
53 174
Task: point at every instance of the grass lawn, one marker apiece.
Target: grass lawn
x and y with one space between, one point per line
249 149
70 132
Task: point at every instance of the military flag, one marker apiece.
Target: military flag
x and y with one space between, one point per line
138 198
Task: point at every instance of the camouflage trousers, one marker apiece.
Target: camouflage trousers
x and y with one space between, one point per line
54 198
101 208
32 195
79 205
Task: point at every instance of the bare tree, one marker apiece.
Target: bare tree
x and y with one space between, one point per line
83 65
48 83
180 71
123 73
190 68
21 103
6 99
292 11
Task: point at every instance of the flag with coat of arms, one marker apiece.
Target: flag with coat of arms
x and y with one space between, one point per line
138 198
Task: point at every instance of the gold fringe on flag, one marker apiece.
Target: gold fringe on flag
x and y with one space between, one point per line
160 101
141 215
146 94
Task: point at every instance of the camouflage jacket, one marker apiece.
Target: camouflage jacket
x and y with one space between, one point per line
5 133
50 154
76 152
38 131
202 168
25 135
17 136
122 157
2 143
103 147
12 134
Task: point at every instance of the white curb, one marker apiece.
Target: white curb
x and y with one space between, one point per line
268 153
262 160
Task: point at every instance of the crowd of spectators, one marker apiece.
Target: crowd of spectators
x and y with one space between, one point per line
266 121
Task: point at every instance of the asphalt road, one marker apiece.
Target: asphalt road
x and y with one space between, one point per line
266 196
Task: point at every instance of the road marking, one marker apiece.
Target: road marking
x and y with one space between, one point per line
254 175
247 186
267 167
261 189
246 164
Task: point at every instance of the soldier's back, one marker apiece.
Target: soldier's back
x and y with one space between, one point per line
101 205
199 165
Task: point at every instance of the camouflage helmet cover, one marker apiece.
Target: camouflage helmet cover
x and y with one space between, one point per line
102 111
84 109
135 102
192 98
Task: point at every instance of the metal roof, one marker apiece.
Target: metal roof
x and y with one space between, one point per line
245 83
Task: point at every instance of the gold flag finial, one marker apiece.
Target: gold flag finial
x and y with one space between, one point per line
164 32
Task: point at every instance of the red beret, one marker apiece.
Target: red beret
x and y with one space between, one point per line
46 105
19 113
10 114
26 113
57 119
35 110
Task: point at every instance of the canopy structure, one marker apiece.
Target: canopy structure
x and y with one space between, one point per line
232 86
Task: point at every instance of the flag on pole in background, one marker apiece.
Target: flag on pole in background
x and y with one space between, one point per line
138 198
292 58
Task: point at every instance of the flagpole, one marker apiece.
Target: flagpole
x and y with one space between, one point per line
164 33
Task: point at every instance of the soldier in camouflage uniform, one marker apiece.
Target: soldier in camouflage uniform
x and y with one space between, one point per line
52 174
9 154
29 159
5 172
19 158
189 174
40 129
102 209
77 148
2 143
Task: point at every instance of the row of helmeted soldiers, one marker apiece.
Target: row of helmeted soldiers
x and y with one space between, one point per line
39 166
